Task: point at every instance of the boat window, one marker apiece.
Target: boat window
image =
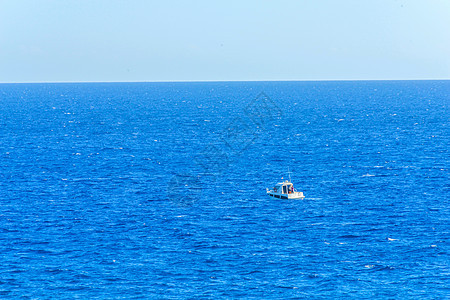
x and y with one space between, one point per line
284 189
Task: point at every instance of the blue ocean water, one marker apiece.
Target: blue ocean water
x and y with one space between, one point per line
157 190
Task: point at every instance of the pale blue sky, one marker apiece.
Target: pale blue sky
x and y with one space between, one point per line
171 40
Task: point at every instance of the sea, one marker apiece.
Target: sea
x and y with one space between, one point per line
157 190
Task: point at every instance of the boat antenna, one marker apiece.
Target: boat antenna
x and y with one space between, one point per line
289 175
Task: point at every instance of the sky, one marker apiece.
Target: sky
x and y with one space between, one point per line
199 40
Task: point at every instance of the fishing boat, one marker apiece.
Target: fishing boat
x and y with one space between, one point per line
285 190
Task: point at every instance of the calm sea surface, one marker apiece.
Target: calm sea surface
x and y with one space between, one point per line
157 190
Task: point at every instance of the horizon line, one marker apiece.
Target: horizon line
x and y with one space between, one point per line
198 81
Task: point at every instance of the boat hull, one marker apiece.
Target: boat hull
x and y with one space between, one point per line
295 195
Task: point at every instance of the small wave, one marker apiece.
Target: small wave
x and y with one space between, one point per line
349 236
379 267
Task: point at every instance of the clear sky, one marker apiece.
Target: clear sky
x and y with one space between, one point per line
168 40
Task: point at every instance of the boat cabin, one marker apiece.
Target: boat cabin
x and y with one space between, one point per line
284 188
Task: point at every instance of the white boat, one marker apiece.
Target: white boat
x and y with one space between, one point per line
285 190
